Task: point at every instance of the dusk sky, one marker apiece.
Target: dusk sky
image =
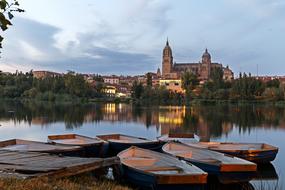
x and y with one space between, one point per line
127 36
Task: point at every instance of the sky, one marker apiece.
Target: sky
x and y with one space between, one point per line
127 36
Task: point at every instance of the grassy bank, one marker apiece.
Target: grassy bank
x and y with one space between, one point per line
75 183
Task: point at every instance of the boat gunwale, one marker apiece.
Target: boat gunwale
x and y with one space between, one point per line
147 141
61 137
207 145
57 147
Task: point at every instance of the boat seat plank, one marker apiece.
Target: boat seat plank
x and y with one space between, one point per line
158 168
76 141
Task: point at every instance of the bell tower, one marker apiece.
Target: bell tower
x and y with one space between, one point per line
167 59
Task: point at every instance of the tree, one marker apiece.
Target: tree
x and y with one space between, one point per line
189 81
6 14
148 79
75 84
98 78
247 87
216 77
273 83
137 90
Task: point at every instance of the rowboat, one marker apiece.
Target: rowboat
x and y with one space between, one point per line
91 147
150 169
254 152
177 137
119 142
207 160
34 146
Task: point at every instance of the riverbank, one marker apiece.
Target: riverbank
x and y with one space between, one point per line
84 182
148 102
209 102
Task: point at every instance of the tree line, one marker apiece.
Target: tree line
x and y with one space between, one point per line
59 88
73 86
243 88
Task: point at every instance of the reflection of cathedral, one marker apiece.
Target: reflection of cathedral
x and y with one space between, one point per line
202 69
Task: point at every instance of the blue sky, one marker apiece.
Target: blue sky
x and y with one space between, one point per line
127 36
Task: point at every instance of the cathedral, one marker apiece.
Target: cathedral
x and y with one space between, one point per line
202 69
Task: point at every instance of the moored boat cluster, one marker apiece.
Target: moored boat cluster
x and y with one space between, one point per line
174 159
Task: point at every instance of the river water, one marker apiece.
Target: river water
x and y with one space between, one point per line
231 123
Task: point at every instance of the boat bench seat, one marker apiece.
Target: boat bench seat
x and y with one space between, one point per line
159 168
138 161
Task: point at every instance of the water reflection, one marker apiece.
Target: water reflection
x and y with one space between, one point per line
205 121
250 123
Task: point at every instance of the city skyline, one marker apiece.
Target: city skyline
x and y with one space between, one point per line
127 37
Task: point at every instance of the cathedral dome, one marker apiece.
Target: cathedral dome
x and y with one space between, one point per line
206 55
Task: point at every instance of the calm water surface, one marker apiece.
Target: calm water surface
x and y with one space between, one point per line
248 123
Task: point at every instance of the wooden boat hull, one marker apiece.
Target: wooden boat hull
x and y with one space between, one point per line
255 152
142 179
116 146
214 163
92 151
226 177
138 178
151 169
261 157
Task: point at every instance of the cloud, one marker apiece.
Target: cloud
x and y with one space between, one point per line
109 62
35 49
127 36
32 53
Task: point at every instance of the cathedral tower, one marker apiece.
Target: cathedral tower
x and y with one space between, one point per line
206 65
167 59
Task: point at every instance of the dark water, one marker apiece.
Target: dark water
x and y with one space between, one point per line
247 123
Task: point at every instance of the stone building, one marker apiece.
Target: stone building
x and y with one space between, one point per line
45 74
174 85
111 79
202 69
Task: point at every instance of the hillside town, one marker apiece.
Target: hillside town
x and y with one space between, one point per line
170 77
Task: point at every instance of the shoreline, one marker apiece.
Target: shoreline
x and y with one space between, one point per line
150 102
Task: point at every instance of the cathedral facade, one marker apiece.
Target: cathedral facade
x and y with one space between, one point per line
202 69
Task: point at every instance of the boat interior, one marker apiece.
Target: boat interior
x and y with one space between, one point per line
154 162
24 145
202 155
123 138
73 139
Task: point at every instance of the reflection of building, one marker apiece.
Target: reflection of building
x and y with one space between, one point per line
202 69
171 118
